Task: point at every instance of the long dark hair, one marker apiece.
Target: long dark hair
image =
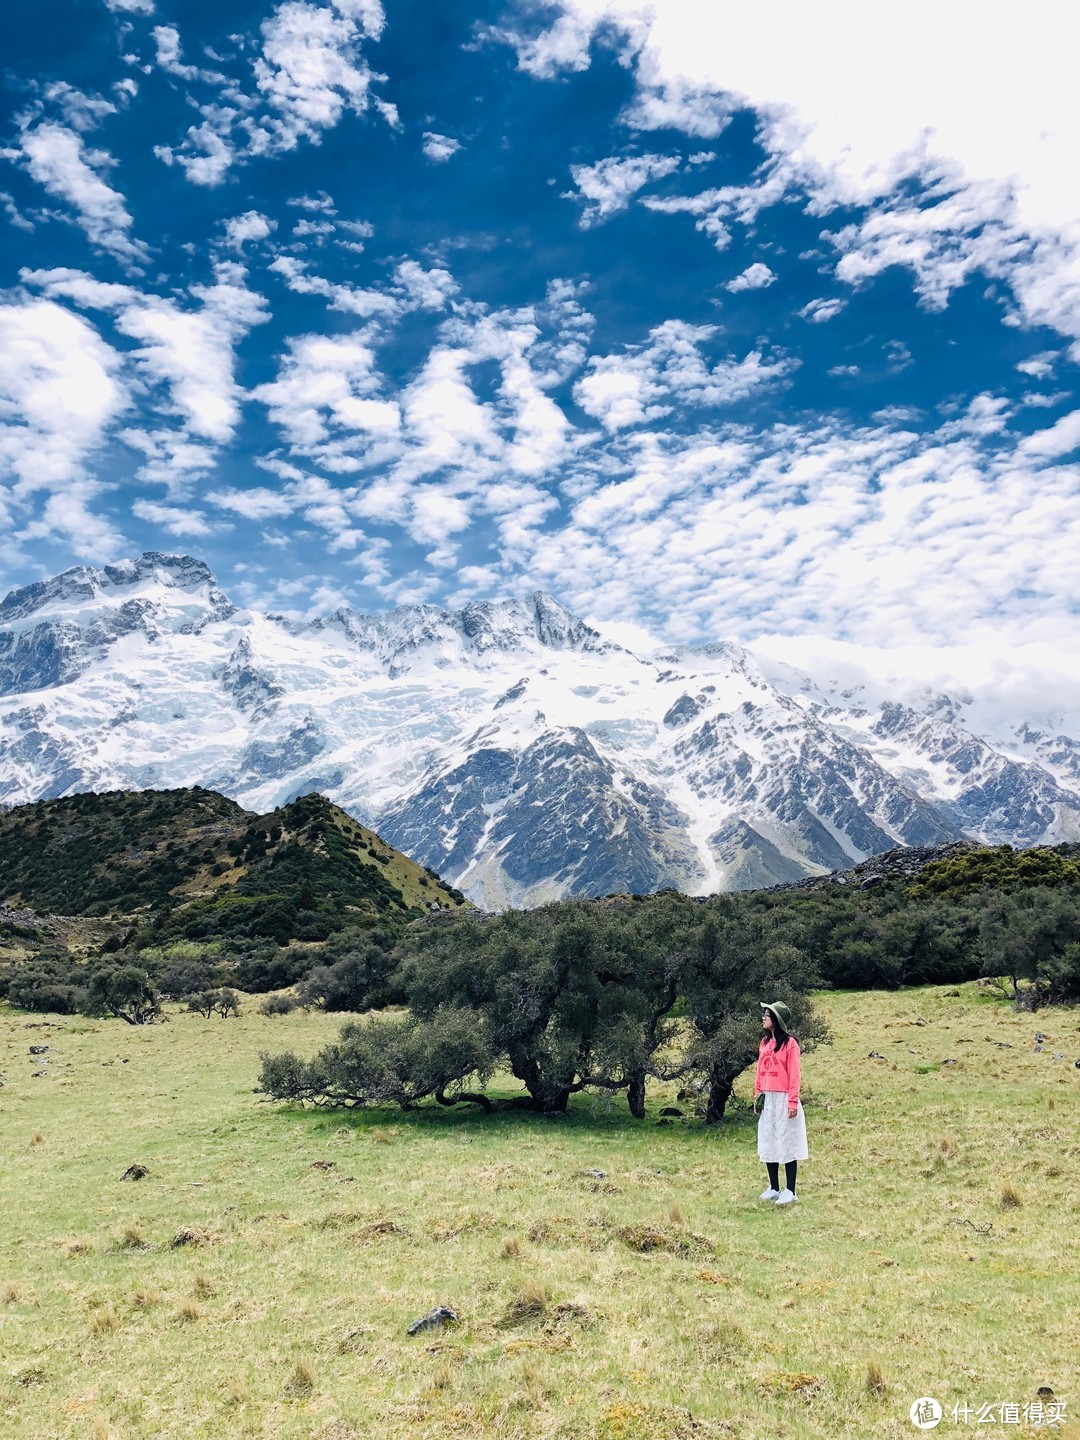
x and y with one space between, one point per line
780 1036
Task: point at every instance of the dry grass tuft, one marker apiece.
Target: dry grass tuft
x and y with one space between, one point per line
384 1137
132 1239
78 1247
876 1381
377 1230
301 1379
104 1320
675 1214
339 1219
236 1390
191 1235
37 1138
145 1298
645 1238
511 1248
187 1312
528 1304
443 1378
1010 1198
946 1147
204 1287
724 1340
570 1312
10 1294
532 1386
792 1382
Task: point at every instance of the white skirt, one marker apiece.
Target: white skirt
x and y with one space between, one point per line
778 1138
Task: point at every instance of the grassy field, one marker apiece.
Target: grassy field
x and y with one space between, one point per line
933 1251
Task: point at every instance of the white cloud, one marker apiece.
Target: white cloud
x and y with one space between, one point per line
844 129
321 203
1038 366
131 7
673 103
754 277
1061 438
167 43
59 161
189 352
872 534
411 288
819 311
81 111
327 400
308 74
439 147
637 386
319 228
60 391
173 519
242 229
256 503
610 184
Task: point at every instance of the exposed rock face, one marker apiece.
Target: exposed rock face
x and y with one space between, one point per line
506 744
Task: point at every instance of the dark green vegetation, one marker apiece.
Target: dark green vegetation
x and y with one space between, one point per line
194 892
571 997
606 995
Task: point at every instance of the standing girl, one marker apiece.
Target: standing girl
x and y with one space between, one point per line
781 1128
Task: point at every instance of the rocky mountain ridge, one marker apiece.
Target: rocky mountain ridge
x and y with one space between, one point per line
508 745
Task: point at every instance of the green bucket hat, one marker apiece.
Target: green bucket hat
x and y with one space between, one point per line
779 1012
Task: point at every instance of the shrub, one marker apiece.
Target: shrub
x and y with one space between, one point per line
280 1005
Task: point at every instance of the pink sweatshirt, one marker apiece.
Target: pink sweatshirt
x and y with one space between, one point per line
778 1071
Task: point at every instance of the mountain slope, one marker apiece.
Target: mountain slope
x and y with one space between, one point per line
207 866
508 745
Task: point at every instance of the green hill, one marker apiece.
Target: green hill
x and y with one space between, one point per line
192 864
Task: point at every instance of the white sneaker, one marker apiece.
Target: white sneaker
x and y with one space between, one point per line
769 1194
786 1197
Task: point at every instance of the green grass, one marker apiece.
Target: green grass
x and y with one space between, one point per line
316 1237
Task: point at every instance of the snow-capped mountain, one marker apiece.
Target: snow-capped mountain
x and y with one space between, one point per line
508 745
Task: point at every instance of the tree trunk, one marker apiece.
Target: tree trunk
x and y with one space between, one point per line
555 1102
465 1097
635 1094
720 1086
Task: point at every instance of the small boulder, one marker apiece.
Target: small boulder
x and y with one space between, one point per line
433 1320
875 1055
135 1172
671 1110
39 1049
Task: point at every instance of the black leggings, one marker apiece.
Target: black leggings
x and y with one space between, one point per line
791 1172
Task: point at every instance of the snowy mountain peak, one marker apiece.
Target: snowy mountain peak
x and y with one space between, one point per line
508 746
415 637
84 587
53 630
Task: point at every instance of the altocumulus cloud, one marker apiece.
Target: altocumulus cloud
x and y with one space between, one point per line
700 334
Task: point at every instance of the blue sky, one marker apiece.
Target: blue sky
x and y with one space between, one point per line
704 331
